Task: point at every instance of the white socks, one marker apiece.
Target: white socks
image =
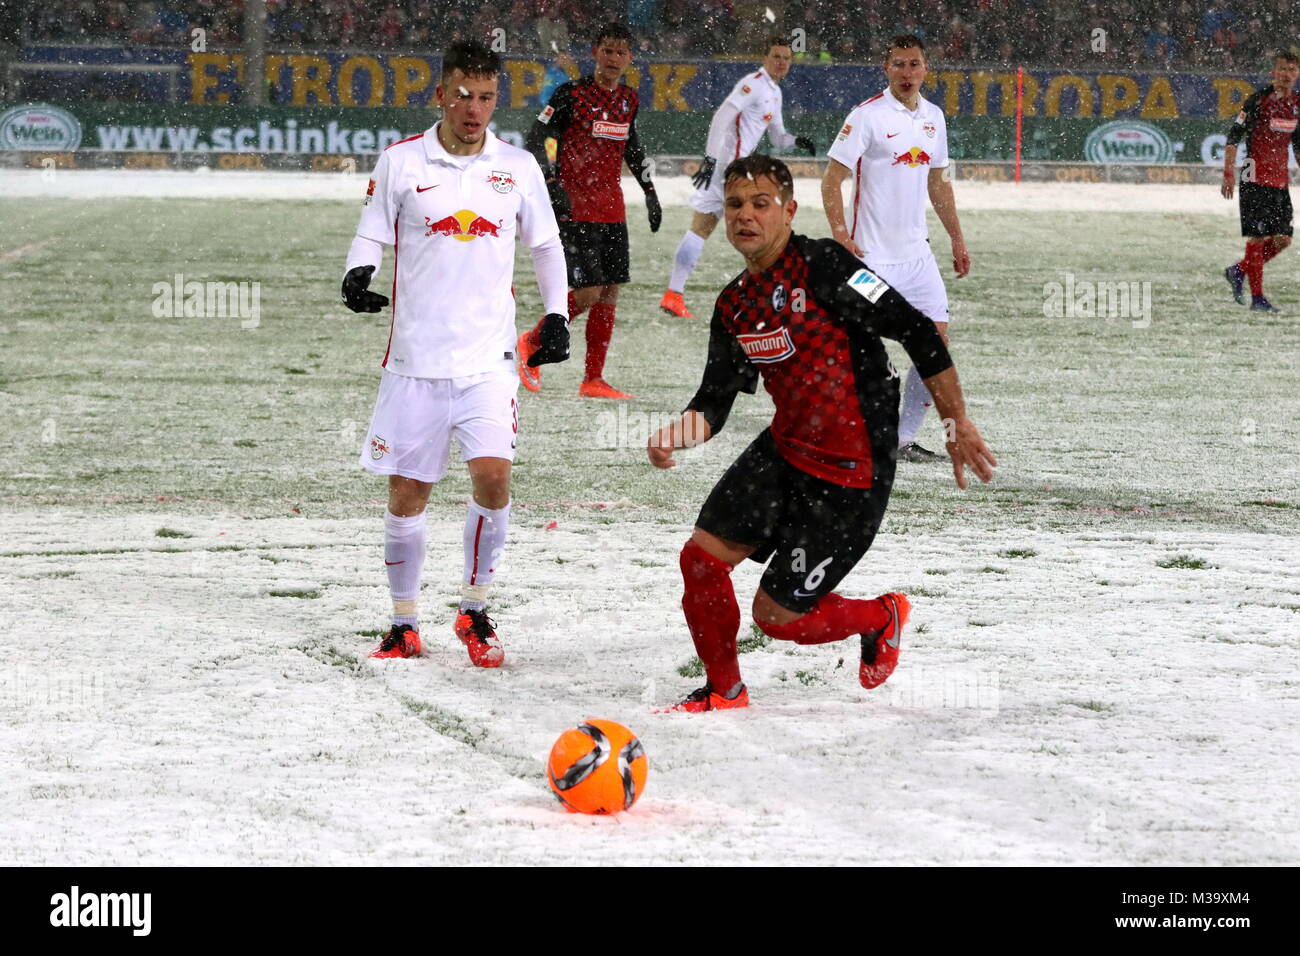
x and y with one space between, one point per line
485 542
916 399
403 560
688 253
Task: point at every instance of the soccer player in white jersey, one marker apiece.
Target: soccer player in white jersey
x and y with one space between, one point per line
752 109
451 202
895 147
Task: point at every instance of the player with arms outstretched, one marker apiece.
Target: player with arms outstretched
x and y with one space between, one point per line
752 109
1268 122
594 121
810 492
895 146
451 202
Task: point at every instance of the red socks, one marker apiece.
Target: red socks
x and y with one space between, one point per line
574 311
600 329
833 619
711 614
1253 266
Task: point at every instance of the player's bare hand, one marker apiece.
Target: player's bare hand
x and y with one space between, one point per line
1226 189
967 450
845 240
660 449
960 259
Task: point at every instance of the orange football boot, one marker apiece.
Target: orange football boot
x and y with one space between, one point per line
880 648
599 388
706 698
476 631
673 304
402 641
531 377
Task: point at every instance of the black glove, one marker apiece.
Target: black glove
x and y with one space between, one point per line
559 199
803 142
705 175
653 209
554 338
356 293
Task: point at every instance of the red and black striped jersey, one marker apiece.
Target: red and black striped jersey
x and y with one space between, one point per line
811 327
596 132
1269 124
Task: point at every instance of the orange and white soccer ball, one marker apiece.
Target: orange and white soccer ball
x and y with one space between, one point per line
597 767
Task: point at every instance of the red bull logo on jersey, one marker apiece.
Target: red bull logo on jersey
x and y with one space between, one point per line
462 226
763 347
604 129
913 157
501 181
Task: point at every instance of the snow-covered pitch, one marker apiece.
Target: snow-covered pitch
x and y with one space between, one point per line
1102 663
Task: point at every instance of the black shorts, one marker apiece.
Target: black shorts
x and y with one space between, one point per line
1265 210
813 531
596 253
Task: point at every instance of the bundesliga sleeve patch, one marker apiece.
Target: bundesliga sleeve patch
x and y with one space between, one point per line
545 115
868 285
370 193
844 133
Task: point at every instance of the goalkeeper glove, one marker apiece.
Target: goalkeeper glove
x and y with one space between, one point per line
803 142
559 199
704 176
653 209
356 293
553 341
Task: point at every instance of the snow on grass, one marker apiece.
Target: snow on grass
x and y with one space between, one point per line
1100 669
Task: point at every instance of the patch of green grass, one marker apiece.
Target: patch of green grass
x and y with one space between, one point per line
808 678
924 592
982 623
1093 705
1184 561
939 571
755 641
992 570
1272 504
1018 553
244 443
295 371
305 593
171 533
692 668
920 628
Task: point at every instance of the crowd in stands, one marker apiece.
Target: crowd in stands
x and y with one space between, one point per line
1156 34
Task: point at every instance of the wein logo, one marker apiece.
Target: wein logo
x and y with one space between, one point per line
39 128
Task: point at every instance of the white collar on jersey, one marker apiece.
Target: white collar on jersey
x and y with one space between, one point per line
898 104
437 153
762 71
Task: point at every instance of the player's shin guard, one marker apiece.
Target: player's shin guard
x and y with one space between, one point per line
403 560
600 329
916 400
485 542
833 619
688 253
712 615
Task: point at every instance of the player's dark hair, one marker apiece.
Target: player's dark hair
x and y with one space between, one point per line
905 41
758 164
471 58
775 40
614 31
1287 55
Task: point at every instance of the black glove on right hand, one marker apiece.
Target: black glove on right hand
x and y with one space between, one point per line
559 199
553 337
705 175
356 293
807 145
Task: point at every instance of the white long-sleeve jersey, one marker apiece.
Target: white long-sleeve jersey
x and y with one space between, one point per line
752 109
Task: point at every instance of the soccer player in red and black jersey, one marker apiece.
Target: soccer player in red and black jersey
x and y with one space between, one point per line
1268 122
809 493
594 121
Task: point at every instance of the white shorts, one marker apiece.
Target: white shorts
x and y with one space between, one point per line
415 420
917 281
710 199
